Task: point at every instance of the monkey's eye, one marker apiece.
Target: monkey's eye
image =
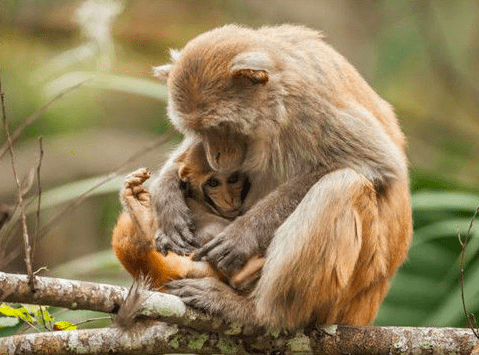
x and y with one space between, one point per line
212 182
233 178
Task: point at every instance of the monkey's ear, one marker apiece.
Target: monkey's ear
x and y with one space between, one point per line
255 66
163 71
183 172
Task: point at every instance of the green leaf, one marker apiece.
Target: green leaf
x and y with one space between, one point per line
21 313
62 325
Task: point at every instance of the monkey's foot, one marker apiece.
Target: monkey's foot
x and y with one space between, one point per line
136 199
214 297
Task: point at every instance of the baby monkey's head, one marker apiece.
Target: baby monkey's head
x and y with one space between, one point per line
222 193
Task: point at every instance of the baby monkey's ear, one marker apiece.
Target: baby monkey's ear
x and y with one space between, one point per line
161 72
255 66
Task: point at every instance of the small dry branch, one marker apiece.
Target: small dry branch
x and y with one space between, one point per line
21 205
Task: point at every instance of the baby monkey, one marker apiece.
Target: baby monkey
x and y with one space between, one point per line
214 199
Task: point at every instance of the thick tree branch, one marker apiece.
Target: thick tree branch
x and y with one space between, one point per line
191 331
157 338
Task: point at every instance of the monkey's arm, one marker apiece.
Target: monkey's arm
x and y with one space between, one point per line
256 228
174 219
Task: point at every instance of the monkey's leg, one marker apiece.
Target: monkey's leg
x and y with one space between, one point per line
246 278
328 254
139 257
311 261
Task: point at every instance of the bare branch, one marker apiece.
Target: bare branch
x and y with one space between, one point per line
21 205
471 321
39 193
158 338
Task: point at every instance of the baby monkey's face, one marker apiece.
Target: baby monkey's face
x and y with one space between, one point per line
225 193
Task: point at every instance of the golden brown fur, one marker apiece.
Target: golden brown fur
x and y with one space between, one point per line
329 200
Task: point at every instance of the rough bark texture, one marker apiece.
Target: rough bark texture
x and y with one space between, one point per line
194 332
73 294
151 337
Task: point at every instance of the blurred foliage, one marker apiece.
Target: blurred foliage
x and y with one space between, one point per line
419 55
426 290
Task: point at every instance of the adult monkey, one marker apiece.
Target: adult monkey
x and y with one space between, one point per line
330 206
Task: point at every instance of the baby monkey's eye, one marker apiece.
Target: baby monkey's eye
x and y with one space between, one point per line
212 182
233 178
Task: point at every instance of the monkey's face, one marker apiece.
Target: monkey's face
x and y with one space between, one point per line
223 87
226 193
223 193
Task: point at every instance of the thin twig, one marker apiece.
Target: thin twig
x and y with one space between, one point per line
471 321
36 115
39 188
26 242
43 319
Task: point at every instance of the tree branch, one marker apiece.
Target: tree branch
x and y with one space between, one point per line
191 331
107 298
157 338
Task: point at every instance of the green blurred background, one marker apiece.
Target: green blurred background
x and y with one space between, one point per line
422 56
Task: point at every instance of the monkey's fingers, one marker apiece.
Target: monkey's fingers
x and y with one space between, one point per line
187 235
173 243
207 248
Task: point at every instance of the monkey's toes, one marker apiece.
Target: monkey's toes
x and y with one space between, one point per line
137 177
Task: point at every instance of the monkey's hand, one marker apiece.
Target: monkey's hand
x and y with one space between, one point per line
231 249
136 199
175 224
